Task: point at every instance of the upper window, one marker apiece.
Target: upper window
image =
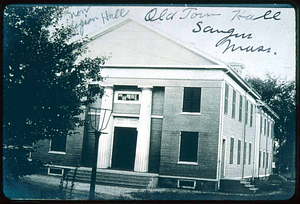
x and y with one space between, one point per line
246 111
191 100
233 103
251 115
188 146
261 124
58 144
127 97
265 126
241 108
268 130
226 98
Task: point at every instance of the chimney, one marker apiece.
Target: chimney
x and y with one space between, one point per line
237 67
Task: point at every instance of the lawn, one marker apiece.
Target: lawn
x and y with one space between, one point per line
22 189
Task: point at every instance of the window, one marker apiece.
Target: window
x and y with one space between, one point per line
261 124
231 150
233 103
186 184
226 98
55 171
259 159
245 150
264 155
191 100
246 111
272 130
265 128
268 130
250 153
58 144
188 147
251 115
127 97
267 161
241 108
239 153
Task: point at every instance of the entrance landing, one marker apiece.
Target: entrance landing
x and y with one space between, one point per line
116 177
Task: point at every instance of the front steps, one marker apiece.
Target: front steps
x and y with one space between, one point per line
115 177
237 186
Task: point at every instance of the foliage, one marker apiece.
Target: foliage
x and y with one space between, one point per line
279 94
44 83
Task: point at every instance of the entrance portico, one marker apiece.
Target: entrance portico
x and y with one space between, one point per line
120 134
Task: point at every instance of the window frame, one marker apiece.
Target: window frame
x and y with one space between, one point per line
265 126
245 153
226 100
249 153
251 114
233 104
116 99
246 110
55 151
200 100
259 159
239 149
264 159
231 153
179 161
241 109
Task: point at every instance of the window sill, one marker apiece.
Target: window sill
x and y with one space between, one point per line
190 113
188 163
56 152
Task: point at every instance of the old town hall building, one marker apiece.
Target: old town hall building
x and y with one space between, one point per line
180 118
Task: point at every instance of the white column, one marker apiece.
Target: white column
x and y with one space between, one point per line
143 137
105 141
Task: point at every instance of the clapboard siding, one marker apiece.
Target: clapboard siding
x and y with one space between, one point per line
233 128
155 145
126 108
206 124
158 101
73 150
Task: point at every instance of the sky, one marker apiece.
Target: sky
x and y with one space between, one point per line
262 38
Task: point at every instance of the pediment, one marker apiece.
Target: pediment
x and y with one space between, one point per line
131 43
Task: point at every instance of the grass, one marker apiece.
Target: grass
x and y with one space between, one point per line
269 190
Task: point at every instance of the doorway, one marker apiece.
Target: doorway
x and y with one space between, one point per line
124 148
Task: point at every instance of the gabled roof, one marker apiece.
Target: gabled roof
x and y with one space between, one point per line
130 38
150 47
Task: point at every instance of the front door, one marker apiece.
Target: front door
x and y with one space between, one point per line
124 148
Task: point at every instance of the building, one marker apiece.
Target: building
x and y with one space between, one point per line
179 115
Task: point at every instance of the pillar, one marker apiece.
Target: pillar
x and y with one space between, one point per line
143 137
105 141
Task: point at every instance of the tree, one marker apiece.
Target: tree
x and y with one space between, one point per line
44 87
279 94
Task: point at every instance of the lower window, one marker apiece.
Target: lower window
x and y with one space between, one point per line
58 144
186 184
188 146
54 171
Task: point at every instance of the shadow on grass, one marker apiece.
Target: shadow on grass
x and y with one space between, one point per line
268 191
15 190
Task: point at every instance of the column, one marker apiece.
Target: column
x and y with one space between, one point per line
105 141
143 137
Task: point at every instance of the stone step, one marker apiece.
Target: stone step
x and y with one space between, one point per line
116 178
